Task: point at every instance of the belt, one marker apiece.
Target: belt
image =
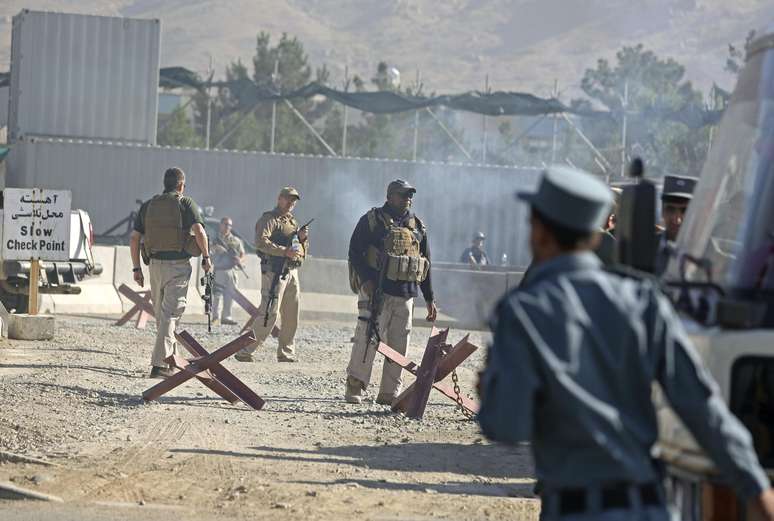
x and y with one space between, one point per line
615 496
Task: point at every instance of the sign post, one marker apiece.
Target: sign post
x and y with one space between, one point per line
32 308
36 226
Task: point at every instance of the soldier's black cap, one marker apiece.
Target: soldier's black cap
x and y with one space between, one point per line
678 186
400 186
479 236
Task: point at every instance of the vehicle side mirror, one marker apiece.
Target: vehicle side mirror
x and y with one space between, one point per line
636 223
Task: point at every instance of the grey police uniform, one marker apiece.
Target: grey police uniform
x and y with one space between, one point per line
680 187
581 393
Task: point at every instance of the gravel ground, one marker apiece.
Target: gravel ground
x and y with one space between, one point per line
307 455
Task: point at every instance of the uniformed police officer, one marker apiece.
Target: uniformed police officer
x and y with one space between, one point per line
282 246
575 352
389 252
675 197
228 254
171 228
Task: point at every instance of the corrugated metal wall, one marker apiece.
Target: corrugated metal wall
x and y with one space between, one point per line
453 200
84 76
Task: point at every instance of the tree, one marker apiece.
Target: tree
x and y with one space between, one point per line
392 135
244 123
178 132
656 92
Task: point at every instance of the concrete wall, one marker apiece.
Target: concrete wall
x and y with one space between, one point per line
453 200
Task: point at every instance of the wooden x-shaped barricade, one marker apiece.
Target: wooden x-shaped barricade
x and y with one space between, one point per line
143 306
439 361
248 306
206 368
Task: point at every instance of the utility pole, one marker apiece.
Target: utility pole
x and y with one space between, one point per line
209 106
625 104
275 83
555 95
416 117
483 123
344 130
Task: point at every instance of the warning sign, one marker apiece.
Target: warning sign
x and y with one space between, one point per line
36 224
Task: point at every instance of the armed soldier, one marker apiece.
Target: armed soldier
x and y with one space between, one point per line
282 246
171 229
389 262
228 255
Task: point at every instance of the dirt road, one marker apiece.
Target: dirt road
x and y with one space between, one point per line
75 401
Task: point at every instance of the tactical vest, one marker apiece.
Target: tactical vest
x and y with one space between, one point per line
282 236
164 226
400 249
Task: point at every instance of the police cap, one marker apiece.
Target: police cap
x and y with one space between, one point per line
678 186
571 198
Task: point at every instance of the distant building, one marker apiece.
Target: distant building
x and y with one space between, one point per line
169 101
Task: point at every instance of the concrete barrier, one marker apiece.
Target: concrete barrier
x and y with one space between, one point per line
466 297
31 327
469 296
122 272
330 276
98 294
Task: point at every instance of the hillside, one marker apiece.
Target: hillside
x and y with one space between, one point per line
520 44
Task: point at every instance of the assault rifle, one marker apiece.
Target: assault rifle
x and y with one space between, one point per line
375 308
234 256
208 281
280 272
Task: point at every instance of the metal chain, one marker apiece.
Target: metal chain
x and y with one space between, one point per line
455 379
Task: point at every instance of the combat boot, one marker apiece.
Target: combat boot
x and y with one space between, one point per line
385 398
161 372
354 391
243 357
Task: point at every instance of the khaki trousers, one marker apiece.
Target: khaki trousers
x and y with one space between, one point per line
225 284
394 329
287 306
169 287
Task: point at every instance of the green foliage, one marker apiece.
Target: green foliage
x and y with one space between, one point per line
178 132
239 122
656 87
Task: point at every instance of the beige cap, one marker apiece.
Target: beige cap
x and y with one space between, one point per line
290 191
